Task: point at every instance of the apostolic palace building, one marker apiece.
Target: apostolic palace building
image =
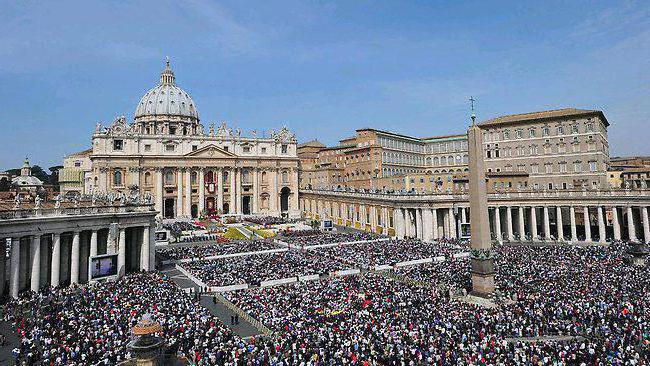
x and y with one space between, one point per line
167 152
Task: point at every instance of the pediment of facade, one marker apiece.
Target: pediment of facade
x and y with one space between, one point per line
211 151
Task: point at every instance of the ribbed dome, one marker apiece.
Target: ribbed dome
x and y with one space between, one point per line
166 99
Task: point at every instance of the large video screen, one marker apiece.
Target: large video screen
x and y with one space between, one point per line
327 224
103 266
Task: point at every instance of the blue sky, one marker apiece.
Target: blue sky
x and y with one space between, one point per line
322 68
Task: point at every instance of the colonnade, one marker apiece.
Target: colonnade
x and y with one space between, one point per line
508 222
62 257
570 223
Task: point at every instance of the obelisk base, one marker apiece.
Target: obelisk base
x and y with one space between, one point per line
482 273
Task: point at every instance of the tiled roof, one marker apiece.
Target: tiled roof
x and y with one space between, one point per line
543 115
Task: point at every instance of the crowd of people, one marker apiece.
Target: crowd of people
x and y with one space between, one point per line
317 237
202 238
585 294
266 220
388 252
222 247
91 325
252 269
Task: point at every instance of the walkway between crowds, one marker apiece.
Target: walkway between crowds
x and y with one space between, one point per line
243 329
13 341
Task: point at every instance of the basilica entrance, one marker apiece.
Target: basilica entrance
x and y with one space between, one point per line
284 199
226 208
168 209
195 211
246 205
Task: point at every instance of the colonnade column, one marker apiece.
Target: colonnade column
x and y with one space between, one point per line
426 223
56 259
219 190
74 262
646 224
587 224
35 253
93 243
418 224
497 224
14 279
522 223
631 232
547 223
434 220
574 230
463 215
601 225
3 265
179 192
201 183
509 224
558 221
452 224
616 224
533 223
121 253
159 190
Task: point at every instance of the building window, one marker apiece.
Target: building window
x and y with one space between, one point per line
560 130
574 129
169 177
225 148
147 147
506 135
549 168
531 133
534 168
562 167
147 178
263 150
592 166
284 148
77 164
520 134
194 147
117 178
193 178
545 131
246 149
172 130
169 147
577 167
590 127
118 145
285 177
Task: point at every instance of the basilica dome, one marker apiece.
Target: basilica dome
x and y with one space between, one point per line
167 101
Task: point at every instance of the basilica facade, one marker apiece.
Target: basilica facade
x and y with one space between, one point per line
188 169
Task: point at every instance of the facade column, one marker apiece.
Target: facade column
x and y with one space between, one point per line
510 232
558 219
219 190
434 219
201 183
533 222
74 262
256 194
601 225
35 252
574 230
233 201
179 192
522 224
463 215
426 222
188 193
238 184
14 279
547 224
497 224
121 253
631 230
144 248
159 191
616 224
56 259
587 224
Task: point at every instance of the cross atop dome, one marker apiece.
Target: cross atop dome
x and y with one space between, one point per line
167 76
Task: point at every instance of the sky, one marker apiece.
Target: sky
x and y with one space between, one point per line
322 68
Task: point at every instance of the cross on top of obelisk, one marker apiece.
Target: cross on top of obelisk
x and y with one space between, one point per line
471 101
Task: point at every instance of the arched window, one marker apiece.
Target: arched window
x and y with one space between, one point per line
285 177
194 178
147 178
263 177
117 177
209 177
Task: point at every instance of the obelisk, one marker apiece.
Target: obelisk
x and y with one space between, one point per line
480 243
